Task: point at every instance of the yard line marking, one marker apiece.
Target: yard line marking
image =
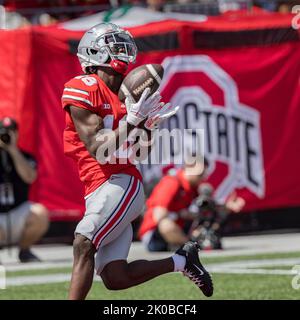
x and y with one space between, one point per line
38 266
41 279
257 263
253 271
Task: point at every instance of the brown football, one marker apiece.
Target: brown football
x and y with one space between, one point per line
140 78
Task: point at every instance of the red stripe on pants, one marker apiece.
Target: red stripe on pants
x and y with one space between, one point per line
117 215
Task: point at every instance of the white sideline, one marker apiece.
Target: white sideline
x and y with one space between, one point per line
38 266
236 267
41 279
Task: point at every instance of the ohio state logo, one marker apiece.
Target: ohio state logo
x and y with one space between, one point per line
208 98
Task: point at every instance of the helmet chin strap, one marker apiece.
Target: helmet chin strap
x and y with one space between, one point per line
119 66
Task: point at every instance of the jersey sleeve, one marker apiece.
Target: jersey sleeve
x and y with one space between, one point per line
82 92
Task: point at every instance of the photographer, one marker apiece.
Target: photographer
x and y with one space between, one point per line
167 212
21 222
210 217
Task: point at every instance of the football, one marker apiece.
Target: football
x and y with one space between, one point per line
140 78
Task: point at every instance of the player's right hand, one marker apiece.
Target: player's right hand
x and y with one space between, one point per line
137 112
159 114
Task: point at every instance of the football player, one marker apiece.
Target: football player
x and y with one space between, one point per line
114 194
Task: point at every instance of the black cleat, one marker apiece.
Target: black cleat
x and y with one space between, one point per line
194 270
25 255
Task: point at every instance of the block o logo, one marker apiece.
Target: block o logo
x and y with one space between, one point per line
209 99
296 19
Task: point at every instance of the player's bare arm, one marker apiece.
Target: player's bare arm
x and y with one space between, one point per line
89 125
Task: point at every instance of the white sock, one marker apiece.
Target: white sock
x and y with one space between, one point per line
179 262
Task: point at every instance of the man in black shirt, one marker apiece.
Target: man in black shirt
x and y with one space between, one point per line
21 222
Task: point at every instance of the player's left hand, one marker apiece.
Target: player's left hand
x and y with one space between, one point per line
234 203
159 114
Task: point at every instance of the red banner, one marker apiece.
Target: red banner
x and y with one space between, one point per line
244 94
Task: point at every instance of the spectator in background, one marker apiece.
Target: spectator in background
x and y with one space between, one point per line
156 5
21 222
286 6
282 6
46 19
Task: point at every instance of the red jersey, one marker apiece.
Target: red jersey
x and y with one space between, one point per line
174 193
91 93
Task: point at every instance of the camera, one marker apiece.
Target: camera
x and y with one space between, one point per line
6 125
208 219
205 200
4 136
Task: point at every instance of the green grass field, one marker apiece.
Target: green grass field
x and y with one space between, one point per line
175 286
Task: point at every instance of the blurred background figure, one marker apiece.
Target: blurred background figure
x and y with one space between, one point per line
169 222
156 5
209 217
22 223
45 12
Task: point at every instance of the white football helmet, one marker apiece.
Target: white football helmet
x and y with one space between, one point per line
104 43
